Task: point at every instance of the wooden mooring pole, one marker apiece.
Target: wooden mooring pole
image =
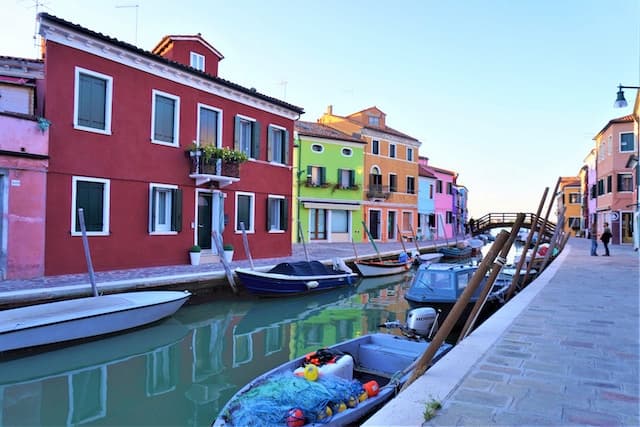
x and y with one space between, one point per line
245 242
217 240
424 362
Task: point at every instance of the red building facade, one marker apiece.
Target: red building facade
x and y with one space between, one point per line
122 122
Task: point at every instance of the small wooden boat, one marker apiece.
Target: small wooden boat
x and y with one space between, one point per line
294 278
373 268
337 386
428 258
78 318
456 252
440 285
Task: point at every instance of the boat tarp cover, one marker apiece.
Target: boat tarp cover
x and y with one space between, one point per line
304 268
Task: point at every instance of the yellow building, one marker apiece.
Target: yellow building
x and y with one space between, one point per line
391 173
570 200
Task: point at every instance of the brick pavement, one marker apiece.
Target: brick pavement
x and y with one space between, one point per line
565 351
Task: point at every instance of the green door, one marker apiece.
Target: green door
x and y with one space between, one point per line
205 201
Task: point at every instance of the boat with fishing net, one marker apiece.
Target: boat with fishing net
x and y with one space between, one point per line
335 386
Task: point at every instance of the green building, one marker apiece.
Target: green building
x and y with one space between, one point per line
327 184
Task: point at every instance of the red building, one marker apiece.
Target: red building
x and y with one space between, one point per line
122 121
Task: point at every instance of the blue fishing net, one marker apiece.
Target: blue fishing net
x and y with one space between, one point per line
270 402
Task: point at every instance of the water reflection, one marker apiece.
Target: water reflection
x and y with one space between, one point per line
183 370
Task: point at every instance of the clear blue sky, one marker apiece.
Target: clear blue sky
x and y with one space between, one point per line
507 93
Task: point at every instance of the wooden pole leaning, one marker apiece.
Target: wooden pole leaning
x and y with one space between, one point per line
245 242
87 253
523 256
424 362
217 240
404 248
364 225
304 245
495 271
558 235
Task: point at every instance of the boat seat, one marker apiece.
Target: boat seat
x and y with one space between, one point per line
374 357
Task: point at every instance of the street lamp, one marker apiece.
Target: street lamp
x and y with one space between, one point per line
632 163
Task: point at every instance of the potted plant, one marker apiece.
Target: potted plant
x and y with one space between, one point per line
231 159
194 254
228 252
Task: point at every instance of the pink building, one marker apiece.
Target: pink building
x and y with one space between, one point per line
24 158
444 201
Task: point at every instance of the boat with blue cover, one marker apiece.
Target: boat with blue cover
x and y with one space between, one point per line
294 278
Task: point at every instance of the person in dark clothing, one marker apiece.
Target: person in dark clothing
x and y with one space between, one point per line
593 235
605 237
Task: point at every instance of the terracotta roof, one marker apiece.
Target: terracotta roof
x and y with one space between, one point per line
391 131
624 119
323 131
445 171
426 171
136 50
166 40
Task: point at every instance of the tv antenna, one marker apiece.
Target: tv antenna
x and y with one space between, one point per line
128 6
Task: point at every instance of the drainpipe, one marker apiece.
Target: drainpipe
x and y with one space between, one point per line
298 174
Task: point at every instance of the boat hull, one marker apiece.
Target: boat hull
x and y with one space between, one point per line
68 320
382 268
269 284
381 356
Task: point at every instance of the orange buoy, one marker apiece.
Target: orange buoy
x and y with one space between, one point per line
295 418
371 388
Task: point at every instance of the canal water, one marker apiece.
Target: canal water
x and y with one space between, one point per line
181 371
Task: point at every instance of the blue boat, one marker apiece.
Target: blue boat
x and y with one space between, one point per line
440 285
295 278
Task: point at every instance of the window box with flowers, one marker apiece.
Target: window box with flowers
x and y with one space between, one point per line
209 156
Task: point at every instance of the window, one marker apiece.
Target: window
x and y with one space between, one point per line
574 198
374 120
346 178
92 101
277 145
407 221
410 154
165 118
610 144
449 188
593 191
317 148
277 213
574 222
245 211
600 187
197 61
392 150
316 176
92 195
411 183
449 217
165 209
431 191
625 182
438 186
317 224
209 125
247 136
609 185
627 142
393 182
375 146
339 221
347 152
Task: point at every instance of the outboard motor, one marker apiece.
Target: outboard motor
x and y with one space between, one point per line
422 320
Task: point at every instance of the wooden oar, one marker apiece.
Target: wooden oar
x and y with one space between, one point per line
87 254
364 225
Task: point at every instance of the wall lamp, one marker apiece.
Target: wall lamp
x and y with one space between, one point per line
620 101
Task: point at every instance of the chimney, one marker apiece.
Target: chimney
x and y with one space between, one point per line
329 110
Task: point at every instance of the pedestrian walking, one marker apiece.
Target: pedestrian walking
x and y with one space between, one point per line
605 237
593 235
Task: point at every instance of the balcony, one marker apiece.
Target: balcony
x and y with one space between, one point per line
378 192
217 171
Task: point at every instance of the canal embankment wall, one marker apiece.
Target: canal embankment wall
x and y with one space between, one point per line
564 351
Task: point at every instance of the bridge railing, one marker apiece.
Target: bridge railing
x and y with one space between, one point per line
507 219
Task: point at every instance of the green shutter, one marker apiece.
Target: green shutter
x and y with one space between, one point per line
309 174
236 134
152 202
323 172
90 197
338 181
352 178
284 214
270 143
176 210
268 214
255 140
285 148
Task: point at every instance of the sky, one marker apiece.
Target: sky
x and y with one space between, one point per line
509 94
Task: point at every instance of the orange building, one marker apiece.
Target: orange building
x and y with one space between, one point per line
570 200
390 170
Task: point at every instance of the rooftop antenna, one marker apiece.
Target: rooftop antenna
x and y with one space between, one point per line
36 5
284 83
126 6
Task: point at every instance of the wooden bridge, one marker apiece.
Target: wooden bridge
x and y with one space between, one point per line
497 220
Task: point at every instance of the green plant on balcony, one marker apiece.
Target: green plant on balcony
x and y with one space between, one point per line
212 153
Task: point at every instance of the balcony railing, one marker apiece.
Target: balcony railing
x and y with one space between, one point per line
214 170
378 192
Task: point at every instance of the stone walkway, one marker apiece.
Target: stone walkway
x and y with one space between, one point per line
565 351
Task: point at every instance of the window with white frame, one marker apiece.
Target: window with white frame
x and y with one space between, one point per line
625 182
346 178
411 185
392 150
340 220
574 198
165 118
627 143
93 94
317 148
197 61
346 151
316 176
278 147
209 125
374 120
277 213
393 182
375 146
165 209
245 211
92 195
247 136
410 154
